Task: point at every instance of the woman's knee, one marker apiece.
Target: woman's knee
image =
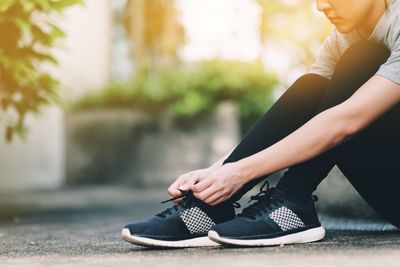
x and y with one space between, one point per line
355 67
309 84
368 46
363 57
302 97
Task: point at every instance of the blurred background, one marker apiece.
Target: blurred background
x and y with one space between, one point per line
137 92
134 93
104 103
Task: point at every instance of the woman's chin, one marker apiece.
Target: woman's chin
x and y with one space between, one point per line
343 28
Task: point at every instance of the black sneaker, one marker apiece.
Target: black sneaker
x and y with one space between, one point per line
184 225
274 219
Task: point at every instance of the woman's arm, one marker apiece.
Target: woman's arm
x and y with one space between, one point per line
324 131
327 129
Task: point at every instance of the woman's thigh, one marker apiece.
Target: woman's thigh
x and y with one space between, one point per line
378 182
356 66
371 162
380 140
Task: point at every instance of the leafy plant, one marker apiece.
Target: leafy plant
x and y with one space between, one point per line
187 92
28 29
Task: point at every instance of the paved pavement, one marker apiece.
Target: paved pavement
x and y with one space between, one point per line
82 227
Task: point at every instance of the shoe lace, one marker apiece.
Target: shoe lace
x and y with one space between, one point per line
187 198
185 202
265 199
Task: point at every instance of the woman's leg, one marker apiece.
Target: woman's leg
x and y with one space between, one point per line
371 159
295 107
279 216
372 166
357 65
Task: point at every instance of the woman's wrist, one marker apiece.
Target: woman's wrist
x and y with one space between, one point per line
247 170
213 167
217 164
220 162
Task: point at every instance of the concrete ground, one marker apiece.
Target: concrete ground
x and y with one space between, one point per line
82 227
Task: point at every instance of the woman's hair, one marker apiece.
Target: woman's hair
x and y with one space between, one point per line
386 5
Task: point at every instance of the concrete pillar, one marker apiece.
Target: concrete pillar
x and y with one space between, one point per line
38 161
84 63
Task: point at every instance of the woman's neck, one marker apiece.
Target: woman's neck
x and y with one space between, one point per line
366 28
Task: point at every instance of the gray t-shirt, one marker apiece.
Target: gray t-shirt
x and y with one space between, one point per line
387 31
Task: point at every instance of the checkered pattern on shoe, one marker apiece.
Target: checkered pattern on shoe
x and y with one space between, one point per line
196 220
286 219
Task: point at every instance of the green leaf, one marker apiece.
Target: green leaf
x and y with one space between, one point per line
41 37
27 5
19 59
22 24
45 57
43 5
60 5
5 5
56 32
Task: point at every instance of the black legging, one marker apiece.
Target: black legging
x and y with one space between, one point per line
370 159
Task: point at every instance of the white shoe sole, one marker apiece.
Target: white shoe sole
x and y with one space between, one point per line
149 242
306 236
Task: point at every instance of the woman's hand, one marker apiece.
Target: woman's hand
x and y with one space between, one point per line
185 181
220 184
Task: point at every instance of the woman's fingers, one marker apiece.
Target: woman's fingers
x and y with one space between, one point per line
173 188
217 201
205 194
214 198
185 186
182 183
202 185
173 192
186 182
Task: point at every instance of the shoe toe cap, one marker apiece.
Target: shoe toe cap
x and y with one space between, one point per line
150 227
139 227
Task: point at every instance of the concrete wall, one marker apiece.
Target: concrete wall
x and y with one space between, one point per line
124 146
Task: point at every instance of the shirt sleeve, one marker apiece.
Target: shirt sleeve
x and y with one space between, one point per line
391 68
328 57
